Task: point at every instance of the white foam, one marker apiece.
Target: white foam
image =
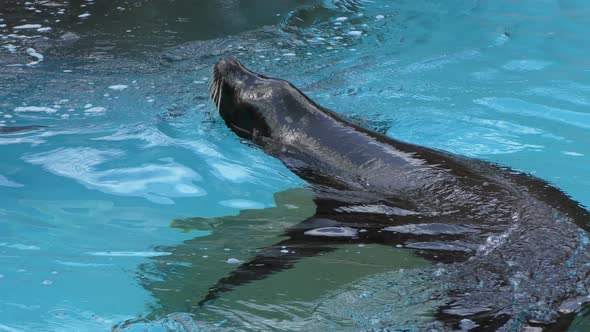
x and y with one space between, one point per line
32 52
355 33
11 48
35 109
333 232
77 264
341 19
231 172
95 110
526 65
7 183
27 26
19 246
12 35
129 253
427 229
187 189
44 29
242 204
571 153
118 87
379 17
84 15
376 208
233 261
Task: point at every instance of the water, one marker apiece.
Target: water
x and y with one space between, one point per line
98 211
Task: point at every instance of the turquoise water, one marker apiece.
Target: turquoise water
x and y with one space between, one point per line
133 143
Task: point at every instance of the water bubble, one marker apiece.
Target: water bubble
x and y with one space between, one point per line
467 324
365 295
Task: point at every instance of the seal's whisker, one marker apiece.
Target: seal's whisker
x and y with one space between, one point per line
217 94
213 92
219 98
214 85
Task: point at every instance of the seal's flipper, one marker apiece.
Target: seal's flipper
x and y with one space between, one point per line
281 256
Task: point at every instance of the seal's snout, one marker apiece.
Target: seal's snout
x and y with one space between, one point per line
229 65
230 77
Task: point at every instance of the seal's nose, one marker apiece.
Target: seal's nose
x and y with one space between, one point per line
227 65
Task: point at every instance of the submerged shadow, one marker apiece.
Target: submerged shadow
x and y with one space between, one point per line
179 281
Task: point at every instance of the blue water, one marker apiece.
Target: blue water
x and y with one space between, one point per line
133 143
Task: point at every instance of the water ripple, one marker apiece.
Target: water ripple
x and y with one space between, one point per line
156 182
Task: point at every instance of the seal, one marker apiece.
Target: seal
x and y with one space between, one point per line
513 247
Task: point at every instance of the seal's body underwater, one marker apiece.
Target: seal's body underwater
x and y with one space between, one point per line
515 246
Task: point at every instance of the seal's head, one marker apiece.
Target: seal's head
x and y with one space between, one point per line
254 106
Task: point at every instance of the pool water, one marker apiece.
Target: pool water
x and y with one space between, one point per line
135 198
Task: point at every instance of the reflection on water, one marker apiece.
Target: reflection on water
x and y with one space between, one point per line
184 277
286 300
133 143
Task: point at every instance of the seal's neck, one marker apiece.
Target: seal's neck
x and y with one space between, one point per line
325 142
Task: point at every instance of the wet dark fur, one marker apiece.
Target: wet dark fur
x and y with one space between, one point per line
514 247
